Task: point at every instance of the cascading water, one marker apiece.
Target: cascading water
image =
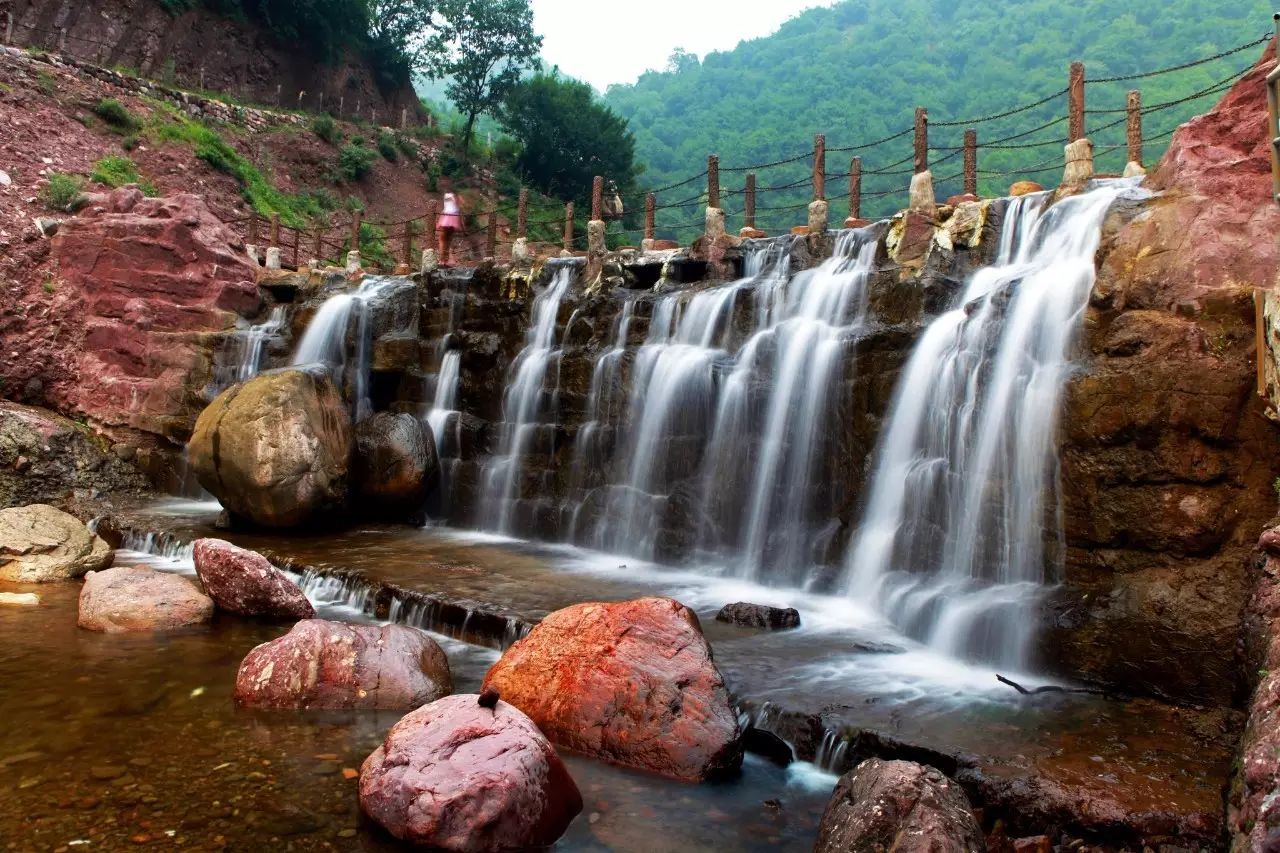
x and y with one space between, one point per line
325 340
246 349
951 547
526 411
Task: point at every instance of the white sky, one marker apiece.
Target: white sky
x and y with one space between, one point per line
615 41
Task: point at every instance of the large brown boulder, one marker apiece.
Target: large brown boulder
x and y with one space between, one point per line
898 806
455 775
632 683
137 599
244 582
395 465
1167 459
147 285
275 450
41 543
321 664
47 458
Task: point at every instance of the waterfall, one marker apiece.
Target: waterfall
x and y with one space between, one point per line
527 413
242 356
325 340
444 406
952 543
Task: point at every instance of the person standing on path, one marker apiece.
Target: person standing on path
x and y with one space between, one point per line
449 223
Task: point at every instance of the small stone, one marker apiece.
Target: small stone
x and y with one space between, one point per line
106 772
5 180
88 803
30 782
19 599
350 773
326 769
347 833
140 761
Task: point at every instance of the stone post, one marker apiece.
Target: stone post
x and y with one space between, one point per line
404 119
1075 102
8 27
202 78
273 257
713 181
921 141
855 188
321 107
301 94
430 262
650 207
749 214
819 167
596 226
279 90
342 105
568 229
1133 105
62 40
353 263
971 162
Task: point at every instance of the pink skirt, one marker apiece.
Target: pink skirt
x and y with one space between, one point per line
450 221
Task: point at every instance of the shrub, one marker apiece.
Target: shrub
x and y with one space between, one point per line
118 172
387 146
406 146
116 115
327 129
45 83
130 142
61 191
355 162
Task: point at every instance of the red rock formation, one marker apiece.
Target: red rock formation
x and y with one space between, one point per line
153 278
454 775
632 683
243 582
321 664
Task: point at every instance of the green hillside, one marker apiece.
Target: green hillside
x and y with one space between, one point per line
856 72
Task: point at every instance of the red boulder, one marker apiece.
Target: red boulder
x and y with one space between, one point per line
455 775
138 599
243 582
632 683
321 664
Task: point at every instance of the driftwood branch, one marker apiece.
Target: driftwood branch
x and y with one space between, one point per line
1048 688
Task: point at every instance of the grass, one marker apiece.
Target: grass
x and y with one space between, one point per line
118 172
46 83
117 116
61 191
295 210
387 146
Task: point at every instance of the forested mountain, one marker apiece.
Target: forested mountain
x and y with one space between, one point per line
857 70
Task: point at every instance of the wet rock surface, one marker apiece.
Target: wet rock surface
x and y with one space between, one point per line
759 616
631 683
276 450
395 465
139 599
323 664
241 581
41 543
47 458
899 806
455 775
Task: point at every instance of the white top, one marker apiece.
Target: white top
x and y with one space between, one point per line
450 203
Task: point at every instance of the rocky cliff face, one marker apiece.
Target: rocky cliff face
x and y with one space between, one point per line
1167 459
198 49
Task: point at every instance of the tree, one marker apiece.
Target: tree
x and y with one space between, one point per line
401 29
567 137
482 46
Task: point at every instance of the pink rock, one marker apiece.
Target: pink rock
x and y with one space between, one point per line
136 599
454 775
322 664
242 581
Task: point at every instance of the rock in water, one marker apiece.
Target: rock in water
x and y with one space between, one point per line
136 599
632 683
321 664
275 450
759 616
899 806
40 543
455 776
395 465
242 581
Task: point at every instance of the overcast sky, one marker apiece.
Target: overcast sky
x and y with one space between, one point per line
612 41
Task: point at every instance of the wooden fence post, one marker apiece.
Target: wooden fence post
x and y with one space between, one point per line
1133 104
491 236
855 188
522 215
1075 102
355 231
319 246
253 229
408 243
297 238
650 206
819 167
568 227
597 198
274 239
971 162
922 140
750 201
713 180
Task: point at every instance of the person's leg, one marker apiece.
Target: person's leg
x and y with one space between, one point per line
442 245
446 246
